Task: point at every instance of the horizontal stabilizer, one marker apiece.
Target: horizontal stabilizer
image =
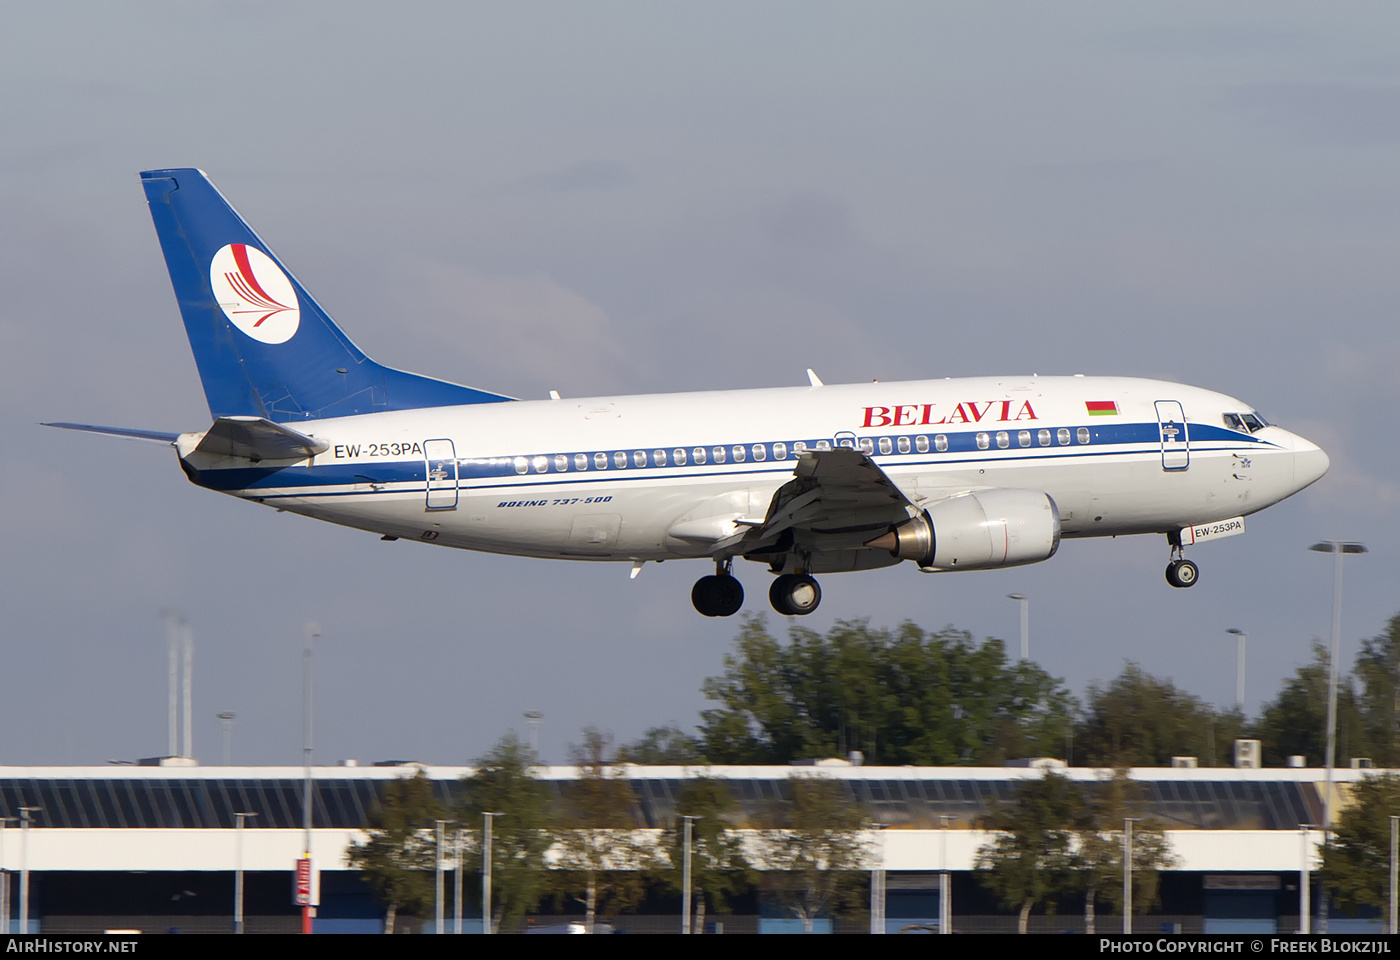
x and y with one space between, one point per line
154 436
253 438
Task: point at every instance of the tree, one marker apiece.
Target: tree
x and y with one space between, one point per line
600 860
1357 861
664 746
1296 722
814 860
907 697
400 853
504 783
1140 720
1032 858
1099 853
719 869
1378 671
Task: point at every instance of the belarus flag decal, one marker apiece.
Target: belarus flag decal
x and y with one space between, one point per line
1101 408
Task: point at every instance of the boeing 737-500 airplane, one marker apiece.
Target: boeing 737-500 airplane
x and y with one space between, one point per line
955 474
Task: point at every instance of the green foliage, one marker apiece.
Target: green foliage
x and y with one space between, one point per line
1032 859
1357 862
1099 854
814 860
1141 721
1296 722
504 783
907 697
1378 671
601 861
664 746
718 867
401 849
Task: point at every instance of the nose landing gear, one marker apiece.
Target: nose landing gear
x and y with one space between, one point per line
1180 571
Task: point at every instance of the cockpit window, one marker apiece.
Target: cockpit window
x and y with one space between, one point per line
1245 422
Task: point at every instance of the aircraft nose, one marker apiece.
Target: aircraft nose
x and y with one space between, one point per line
1309 462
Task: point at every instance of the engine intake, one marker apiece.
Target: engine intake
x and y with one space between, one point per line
977 531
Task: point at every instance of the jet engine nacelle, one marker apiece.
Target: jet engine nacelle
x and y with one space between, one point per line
975 531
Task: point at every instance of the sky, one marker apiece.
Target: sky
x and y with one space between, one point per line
612 198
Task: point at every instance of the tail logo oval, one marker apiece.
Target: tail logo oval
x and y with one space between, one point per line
254 293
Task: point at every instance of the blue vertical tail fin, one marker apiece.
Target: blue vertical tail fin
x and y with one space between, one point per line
263 346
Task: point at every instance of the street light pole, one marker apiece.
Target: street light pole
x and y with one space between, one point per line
24 820
687 876
1128 873
238 874
313 633
1338 548
1240 638
1025 602
226 719
1394 843
486 858
4 879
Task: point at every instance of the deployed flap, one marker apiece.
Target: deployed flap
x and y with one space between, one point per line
835 495
253 438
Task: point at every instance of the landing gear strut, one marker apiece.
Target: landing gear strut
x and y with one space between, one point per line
1180 572
720 595
794 595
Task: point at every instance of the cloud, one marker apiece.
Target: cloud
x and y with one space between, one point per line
529 325
1337 114
584 177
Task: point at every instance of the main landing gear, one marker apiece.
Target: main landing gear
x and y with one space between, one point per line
794 594
721 595
1180 572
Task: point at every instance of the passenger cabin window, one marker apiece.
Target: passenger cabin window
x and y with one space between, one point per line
823 444
541 464
1083 434
738 451
658 458
1003 441
1062 436
719 454
1024 438
1043 437
983 441
561 462
921 444
699 454
940 443
639 458
868 446
521 465
760 452
904 444
620 459
780 451
678 455
887 445
799 447
580 461
600 461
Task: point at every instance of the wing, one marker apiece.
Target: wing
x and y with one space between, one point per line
836 503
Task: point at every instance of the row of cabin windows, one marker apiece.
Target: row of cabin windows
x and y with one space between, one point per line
739 453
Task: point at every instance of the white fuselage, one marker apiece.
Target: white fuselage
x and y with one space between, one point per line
613 478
